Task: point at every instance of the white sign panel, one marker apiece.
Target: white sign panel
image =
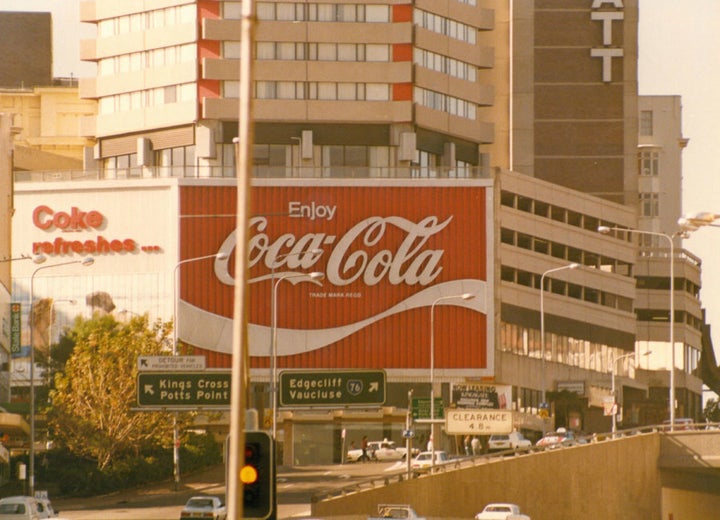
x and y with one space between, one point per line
171 363
478 422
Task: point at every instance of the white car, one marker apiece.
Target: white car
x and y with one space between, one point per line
508 441
19 508
204 506
501 511
383 451
560 437
45 508
423 462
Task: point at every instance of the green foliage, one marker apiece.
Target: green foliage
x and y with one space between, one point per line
77 476
90 412
711 412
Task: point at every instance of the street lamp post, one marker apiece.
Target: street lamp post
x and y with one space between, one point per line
279 258
87 261
176 433
314 277
542 328
671 398
612 386
433 438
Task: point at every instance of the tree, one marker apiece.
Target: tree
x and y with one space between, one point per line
90 411
712 411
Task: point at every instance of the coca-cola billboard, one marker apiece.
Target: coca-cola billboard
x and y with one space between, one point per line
387 251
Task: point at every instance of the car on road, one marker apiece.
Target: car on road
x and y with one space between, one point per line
560 437
206 507
508 441
45 508
501 511
383 451
423 461
19 508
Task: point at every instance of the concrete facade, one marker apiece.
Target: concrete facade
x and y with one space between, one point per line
26 49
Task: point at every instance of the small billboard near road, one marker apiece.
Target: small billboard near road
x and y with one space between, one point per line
478 422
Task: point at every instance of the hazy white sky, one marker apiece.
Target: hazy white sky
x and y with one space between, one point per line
679 54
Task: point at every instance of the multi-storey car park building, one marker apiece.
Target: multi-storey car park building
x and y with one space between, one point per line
517 139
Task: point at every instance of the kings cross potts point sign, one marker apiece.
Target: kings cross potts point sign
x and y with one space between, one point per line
184 389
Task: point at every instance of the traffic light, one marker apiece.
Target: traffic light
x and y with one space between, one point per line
257 475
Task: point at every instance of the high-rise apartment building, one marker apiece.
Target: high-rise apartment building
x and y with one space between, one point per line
392 89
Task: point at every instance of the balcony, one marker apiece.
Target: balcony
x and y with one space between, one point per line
259 171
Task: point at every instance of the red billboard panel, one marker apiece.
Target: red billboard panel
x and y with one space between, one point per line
393 257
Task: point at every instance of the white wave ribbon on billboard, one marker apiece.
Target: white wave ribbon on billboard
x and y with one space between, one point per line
213 332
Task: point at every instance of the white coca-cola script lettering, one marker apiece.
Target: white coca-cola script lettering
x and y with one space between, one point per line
349 259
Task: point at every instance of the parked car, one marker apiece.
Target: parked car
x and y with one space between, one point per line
402 511
501 511
19 508
45 508
383 451
205 507
560 437
508 441
423 461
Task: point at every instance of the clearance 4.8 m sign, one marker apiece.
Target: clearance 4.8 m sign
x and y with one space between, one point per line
389 252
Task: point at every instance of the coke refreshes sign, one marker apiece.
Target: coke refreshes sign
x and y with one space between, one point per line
76 220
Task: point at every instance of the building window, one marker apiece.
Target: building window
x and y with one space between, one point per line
646 122
649 163
649 204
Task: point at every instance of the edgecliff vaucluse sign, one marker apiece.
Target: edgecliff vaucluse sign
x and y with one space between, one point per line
387 251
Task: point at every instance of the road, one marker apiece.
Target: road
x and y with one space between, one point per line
295 487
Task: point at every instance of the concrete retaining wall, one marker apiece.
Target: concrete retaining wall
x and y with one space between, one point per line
614 479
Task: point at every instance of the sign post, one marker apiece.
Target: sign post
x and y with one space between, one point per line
184 389
332 388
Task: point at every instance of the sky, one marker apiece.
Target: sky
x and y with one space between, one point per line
679 54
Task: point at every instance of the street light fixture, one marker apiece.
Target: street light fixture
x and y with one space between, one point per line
176 433
279 258
85 262
314 277
542 328
37 259
612 385
433 438
671 398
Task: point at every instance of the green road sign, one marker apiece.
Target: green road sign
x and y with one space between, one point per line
332 387
184 389
421 408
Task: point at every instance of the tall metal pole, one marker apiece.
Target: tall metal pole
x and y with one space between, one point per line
31 470
612 385
433 439
671 396
176 432
272 323
542 329
274 390
240 352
